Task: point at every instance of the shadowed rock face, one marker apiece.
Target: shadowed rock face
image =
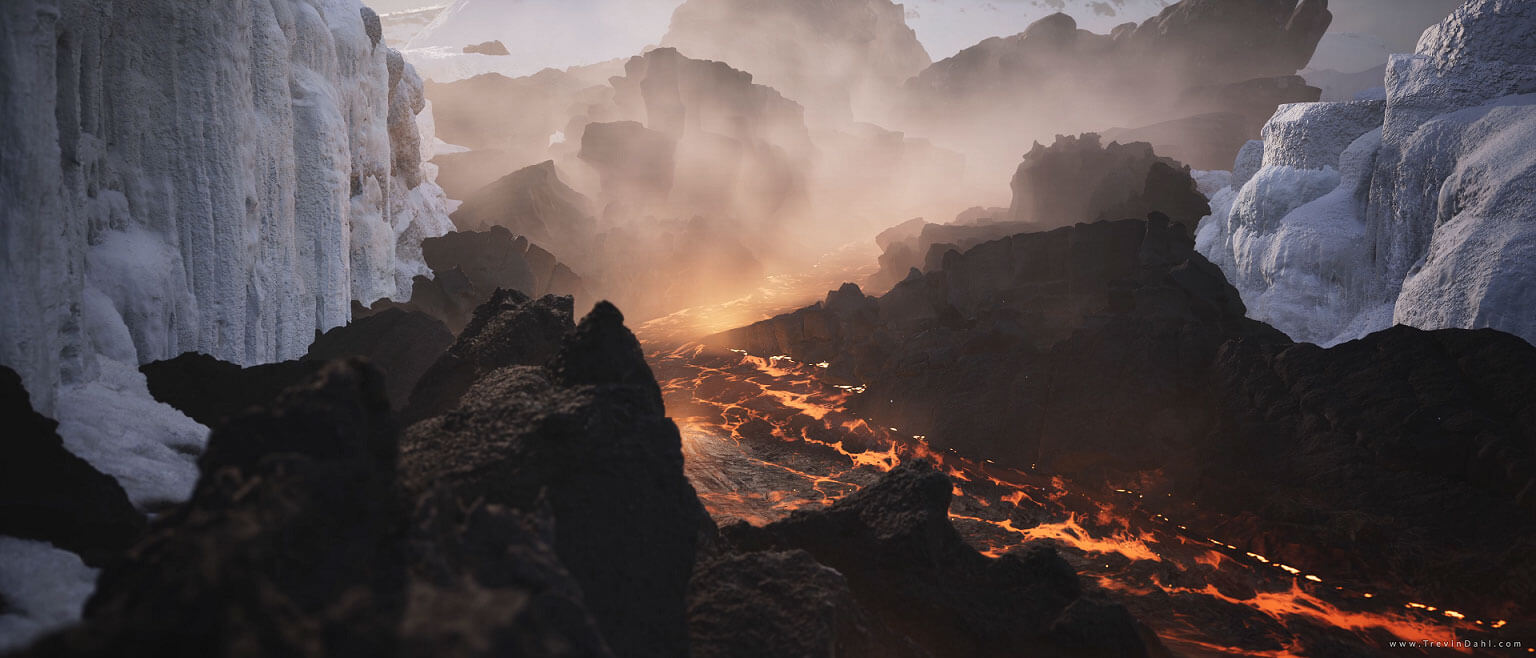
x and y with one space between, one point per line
1198 57
511 329
400 343
589 438
1079 179
894 543
782 603
48 494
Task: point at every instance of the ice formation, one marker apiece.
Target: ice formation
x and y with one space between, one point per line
232 199
1418 210
34 605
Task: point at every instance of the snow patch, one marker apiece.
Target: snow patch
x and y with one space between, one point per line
35 606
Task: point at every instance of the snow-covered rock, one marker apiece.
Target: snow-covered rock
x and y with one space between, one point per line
1419 210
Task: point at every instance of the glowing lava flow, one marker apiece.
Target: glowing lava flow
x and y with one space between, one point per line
766 436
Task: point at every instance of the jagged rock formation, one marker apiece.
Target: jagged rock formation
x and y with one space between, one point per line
1079 179
401 344
243 224
941 593
468 267
588 437
484 346
920 245
839 59
1410 210
1013 350
1197 57
48 494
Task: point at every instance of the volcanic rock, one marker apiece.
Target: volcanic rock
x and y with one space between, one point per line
768 604
509 329
905 562
49 494
1079 179
467 267
589 438
402 344
284 548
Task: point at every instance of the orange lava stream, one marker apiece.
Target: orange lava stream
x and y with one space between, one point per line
752 398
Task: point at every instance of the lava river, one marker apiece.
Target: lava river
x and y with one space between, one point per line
764 436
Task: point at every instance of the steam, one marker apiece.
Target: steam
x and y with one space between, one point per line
756 136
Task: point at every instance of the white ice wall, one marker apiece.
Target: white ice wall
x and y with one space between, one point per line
1419 210
217 176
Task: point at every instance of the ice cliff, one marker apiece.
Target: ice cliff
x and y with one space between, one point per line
1419 209
222 178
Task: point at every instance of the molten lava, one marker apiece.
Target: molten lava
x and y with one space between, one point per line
766 436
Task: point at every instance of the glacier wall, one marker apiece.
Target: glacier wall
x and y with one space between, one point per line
1419 209
219 177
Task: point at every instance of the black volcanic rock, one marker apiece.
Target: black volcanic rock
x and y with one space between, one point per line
48 494
209 390
1080 179
590 439
284 548
508 330
769 604
905 562
299 541
635 162
401 343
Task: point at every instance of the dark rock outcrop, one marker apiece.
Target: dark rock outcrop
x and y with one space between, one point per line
48 494
894 543
1081 180
284 549
589 438
510 329
400 343
770 604
468 267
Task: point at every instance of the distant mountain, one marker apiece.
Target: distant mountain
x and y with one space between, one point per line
947 26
